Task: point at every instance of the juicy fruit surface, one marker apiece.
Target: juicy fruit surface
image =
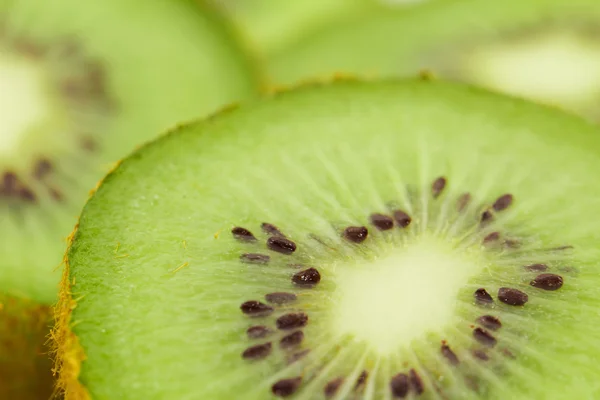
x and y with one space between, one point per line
81 85
321 245
546 50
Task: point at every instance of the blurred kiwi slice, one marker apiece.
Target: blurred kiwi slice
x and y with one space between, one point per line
271 25
409 239
82 84
547 50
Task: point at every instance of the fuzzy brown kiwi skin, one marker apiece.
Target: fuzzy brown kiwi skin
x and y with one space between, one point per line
25 365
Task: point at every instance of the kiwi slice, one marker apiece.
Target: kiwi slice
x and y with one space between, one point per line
347 241
272 25
81 84
547 50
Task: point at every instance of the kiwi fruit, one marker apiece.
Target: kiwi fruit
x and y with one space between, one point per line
271 25
82 84
544 50
350 240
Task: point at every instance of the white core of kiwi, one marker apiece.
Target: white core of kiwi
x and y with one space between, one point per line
430 273
530 67
23 101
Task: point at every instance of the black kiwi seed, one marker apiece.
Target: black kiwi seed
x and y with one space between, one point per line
27 195
400 385
257 352
560 248
255 258
297 356
382 222
547 282
486 216
402 218
256 308
508 353
271 229
42 168
292 321
243 234
503 202
362 378
491 237
332 387
449 354
438 186
512 297
490 322
416 382
56 195
280 297
13 187
512 243
88 144
536 267
482 296
484 337
281 245
480 354
308 277
291 340
10 181
286 387
258 332
463 201
356 234
472 383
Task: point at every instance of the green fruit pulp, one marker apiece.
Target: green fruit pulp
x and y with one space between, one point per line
159 280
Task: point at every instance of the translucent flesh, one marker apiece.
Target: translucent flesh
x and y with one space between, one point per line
542 49
158 279
165 62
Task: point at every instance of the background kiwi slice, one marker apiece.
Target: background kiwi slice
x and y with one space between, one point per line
81 84
546 50
366 240
271 25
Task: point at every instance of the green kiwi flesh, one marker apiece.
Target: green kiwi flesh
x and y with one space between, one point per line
345 241
81 85
547 50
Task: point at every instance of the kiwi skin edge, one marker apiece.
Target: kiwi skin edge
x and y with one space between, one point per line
66 352
66 348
